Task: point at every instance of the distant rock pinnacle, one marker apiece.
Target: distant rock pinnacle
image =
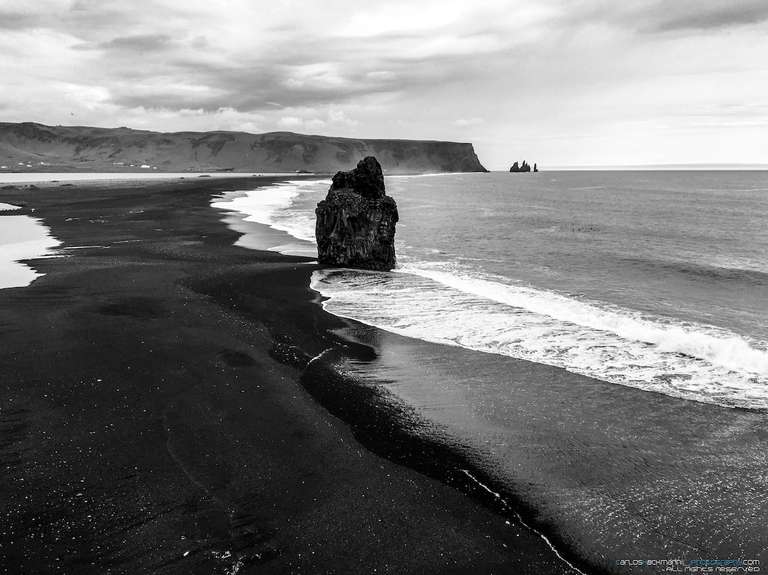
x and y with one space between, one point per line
524 168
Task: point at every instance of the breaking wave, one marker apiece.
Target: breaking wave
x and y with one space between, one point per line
276 207
454 304
429 302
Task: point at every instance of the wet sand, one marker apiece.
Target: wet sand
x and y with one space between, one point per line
609 473
153 416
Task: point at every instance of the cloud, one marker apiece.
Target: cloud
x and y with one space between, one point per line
11 20
311 77
713 16
527 77
290 122
138 43
313 119
464 122
150 59
685 16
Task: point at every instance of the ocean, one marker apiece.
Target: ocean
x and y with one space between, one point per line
22 237
651 280
593 345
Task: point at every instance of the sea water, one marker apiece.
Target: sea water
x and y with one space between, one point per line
593 344
22 237
653 280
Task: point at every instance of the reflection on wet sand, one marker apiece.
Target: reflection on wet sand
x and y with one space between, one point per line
21 238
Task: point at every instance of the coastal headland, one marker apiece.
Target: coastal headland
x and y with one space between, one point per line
155 418
33 147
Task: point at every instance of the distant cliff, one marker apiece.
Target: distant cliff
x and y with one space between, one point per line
34 147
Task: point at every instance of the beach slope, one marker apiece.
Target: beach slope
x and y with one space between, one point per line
147 426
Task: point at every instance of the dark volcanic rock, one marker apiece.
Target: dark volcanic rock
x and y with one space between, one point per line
356 221
524 168
367 179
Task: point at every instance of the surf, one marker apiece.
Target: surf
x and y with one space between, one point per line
454 303
695 362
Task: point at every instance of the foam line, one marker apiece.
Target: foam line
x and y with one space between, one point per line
690 361
272 206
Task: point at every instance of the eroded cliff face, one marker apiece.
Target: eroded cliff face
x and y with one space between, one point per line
35 147
356 221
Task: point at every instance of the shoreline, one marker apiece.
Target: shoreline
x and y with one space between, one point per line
617 443
381 424
137 408
408 442
68 179
356 405
278 334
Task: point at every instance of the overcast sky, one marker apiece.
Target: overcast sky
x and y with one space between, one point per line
560 82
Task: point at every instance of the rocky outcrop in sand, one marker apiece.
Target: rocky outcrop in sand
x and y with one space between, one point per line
356 221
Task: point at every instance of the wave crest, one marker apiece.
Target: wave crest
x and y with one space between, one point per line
691 361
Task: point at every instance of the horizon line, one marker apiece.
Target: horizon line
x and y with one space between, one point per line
671 166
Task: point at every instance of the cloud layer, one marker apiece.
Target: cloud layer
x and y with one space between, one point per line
561 82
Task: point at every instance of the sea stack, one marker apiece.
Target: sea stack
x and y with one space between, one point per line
356 221
518 168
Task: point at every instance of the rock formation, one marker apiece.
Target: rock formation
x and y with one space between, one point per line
535 167
356 221
524 168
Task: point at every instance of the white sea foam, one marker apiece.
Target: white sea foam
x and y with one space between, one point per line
274 206
696 362
716 346
456 305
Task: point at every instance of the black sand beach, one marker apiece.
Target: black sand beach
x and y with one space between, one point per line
154 420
